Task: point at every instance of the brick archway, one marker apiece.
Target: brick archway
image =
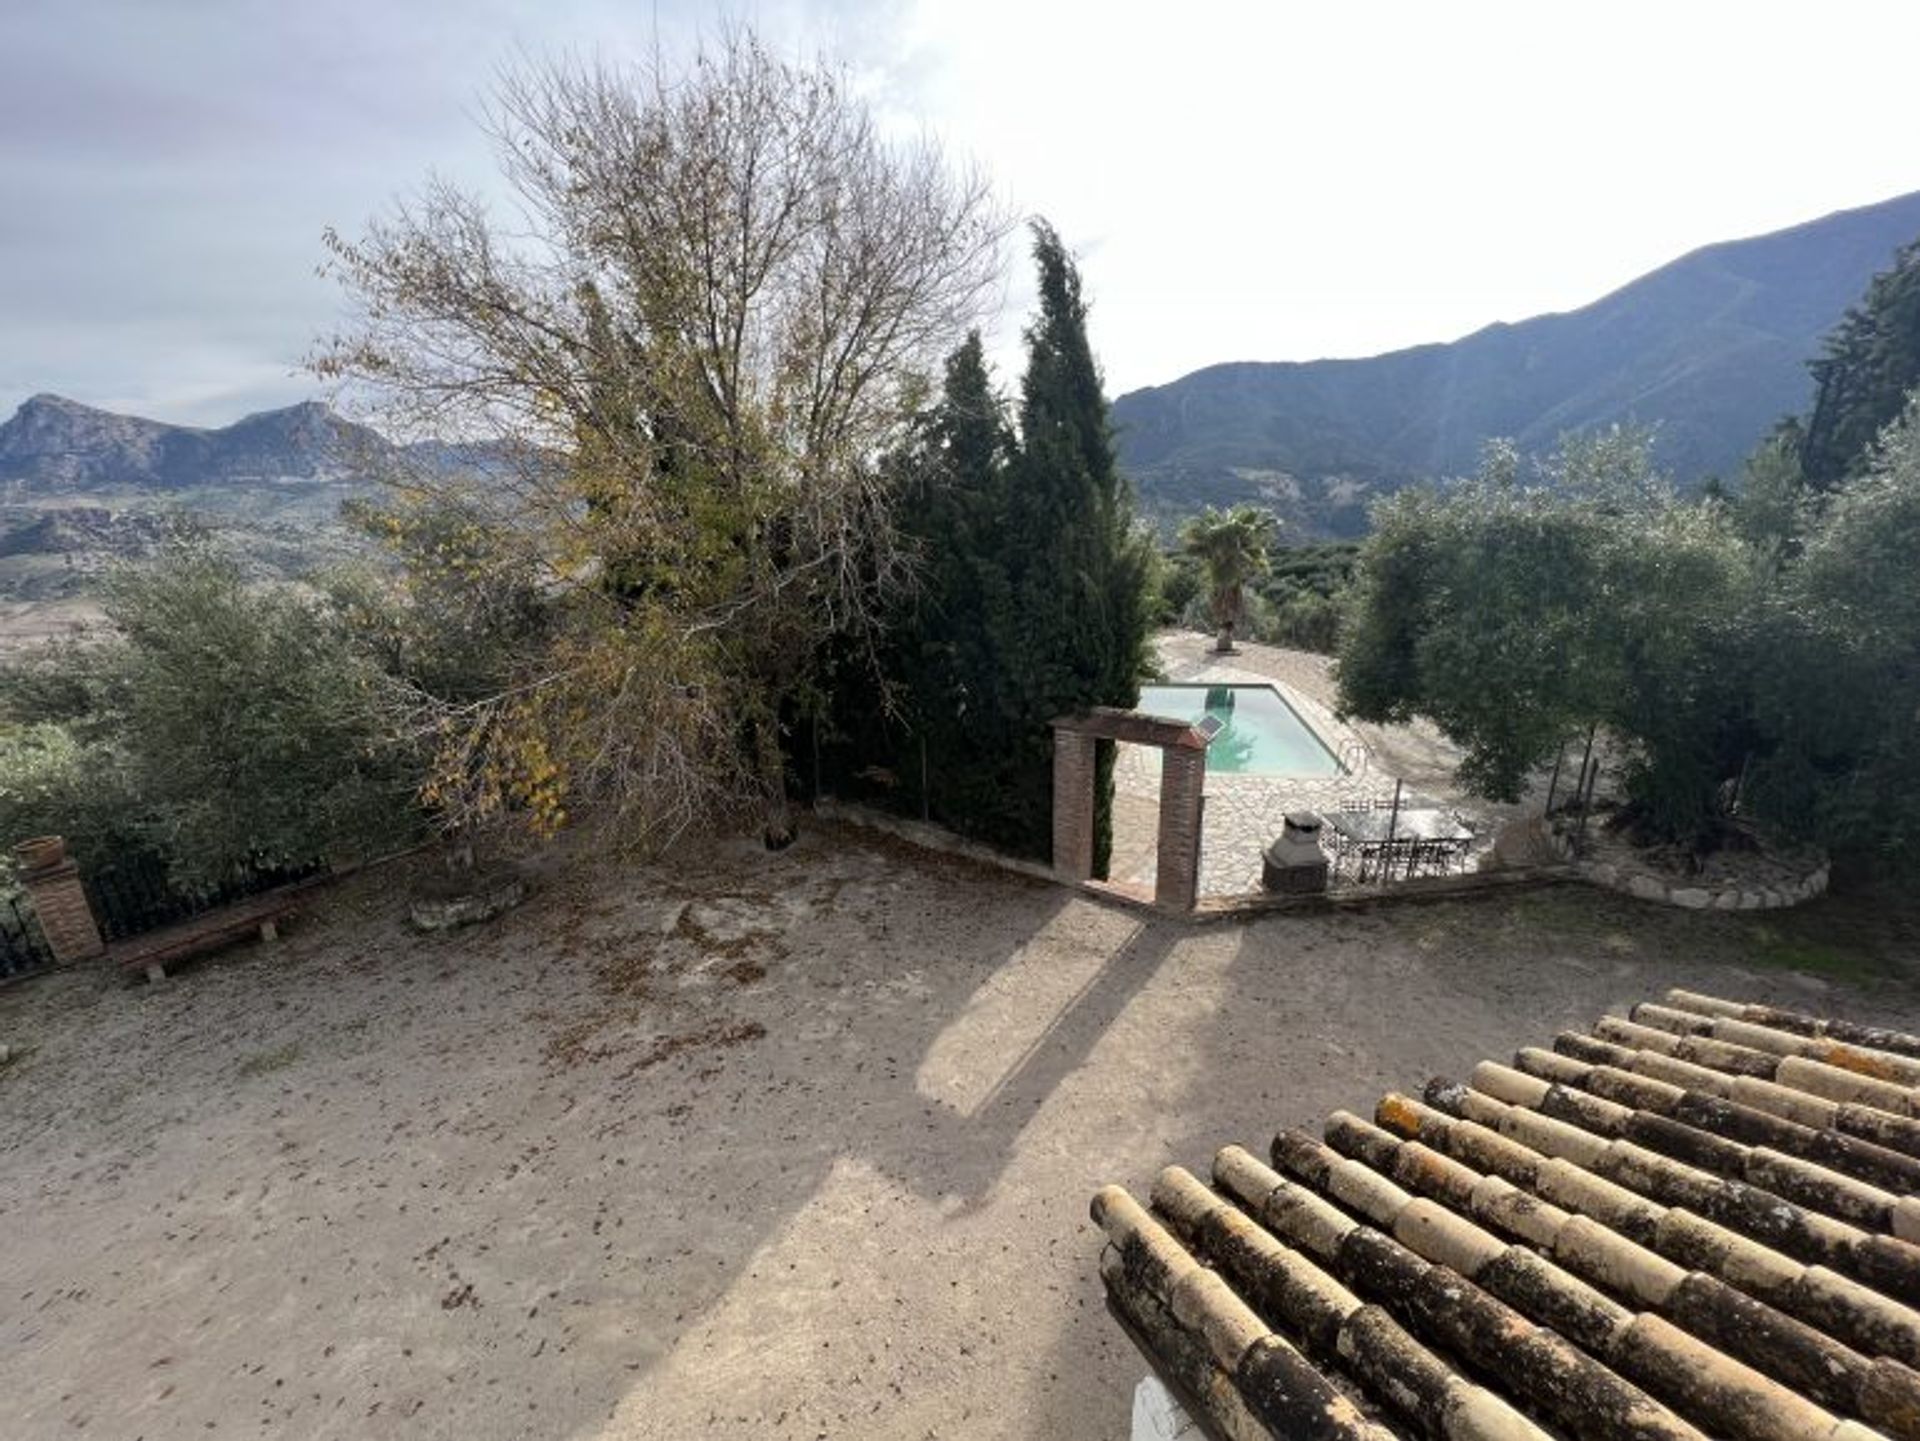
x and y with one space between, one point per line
1183 779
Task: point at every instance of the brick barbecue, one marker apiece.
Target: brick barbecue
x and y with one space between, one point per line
1698 1221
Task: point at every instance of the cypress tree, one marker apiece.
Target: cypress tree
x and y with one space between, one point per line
950 652
1869 365
1080 566
1032 600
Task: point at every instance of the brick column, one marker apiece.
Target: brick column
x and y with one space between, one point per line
1183 782
1073 776
66 920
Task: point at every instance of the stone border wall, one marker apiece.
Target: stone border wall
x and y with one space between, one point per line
934 838
1690 894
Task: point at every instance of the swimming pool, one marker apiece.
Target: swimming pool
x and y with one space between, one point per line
1261 734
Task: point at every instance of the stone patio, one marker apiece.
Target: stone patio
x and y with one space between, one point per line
1243 812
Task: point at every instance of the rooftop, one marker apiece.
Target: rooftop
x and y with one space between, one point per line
1694 1222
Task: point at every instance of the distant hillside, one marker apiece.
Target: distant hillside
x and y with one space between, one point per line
55 446
1712 348
81 487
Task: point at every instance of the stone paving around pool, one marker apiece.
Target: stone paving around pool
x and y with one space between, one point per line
1243 813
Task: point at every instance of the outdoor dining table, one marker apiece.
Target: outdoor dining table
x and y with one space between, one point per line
1383 835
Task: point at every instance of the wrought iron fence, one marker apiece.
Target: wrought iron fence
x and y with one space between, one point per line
134 893
23 948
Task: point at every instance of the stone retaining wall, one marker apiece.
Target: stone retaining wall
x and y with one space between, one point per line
1691 893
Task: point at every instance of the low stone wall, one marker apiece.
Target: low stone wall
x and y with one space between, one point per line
1691 893
1206 908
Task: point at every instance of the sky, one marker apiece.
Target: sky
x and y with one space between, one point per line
1262 181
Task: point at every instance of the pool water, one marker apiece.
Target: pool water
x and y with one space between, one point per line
1261 734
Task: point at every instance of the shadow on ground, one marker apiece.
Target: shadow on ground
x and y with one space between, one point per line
781 1146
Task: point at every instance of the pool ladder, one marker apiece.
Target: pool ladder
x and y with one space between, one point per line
1357 761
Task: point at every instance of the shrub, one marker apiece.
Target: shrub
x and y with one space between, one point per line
221 724
54 784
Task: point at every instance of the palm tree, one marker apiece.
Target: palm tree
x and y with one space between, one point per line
1232 545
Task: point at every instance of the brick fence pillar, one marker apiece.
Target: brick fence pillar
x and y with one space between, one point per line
1073 776
60 903
1183 782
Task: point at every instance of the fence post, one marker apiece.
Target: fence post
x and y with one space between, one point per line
52 882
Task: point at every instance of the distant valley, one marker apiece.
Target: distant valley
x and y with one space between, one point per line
1712 349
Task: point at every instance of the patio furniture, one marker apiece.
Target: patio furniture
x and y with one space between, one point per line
1387 843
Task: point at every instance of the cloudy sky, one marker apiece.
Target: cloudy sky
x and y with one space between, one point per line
1263 181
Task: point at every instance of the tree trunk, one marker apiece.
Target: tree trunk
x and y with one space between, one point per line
777 830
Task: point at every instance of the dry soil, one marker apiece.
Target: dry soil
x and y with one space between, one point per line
789 1146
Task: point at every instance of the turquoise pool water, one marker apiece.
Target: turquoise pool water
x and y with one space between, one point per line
1261 734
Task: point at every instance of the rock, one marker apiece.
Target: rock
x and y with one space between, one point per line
1750 901
487 897
1526 841
6 1054
1693 898
1647 888
1727 901
660 917
730 920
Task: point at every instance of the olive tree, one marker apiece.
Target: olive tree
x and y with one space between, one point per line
716 308
216 723
1515 611
1839 681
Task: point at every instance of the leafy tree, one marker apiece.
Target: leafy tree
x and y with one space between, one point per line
721 307
1514 615
448 624
1178 583
1676 627
1305 620
1474 609
1839 680
54 783
1867 368
1772 510
1232 546
1762 651
231 725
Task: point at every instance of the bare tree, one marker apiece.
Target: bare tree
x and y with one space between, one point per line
717 308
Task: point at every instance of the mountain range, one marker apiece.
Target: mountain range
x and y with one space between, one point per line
57 447
1710 349
80 488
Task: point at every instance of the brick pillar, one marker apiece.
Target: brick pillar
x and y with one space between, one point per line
1183 782
66 920
1073 756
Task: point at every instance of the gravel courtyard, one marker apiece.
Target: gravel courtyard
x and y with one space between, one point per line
790 1146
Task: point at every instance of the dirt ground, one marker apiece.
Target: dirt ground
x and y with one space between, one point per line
791 1146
